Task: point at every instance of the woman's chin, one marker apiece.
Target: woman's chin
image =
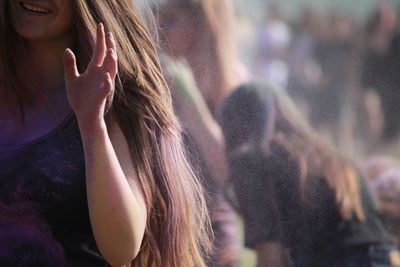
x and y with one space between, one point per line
30 34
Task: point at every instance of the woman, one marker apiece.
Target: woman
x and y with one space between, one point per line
198 36
296 192
92 139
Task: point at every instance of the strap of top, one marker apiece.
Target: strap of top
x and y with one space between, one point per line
63 125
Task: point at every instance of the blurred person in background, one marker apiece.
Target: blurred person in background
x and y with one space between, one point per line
333 53
297 194
91 140
304 71
379 72
198 38
273 38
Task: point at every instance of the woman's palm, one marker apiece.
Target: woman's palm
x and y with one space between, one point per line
87 92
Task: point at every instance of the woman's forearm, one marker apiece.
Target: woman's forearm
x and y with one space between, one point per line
208 137
116 209
117 220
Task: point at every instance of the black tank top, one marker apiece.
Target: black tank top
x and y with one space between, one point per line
50 172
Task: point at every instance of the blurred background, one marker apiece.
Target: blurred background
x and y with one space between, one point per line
359 7
337 59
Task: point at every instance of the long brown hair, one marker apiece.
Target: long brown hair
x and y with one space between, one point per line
177 230
271 118
315 156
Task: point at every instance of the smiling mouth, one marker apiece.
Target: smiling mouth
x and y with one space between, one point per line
35 9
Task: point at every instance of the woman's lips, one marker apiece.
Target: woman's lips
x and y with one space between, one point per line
35 9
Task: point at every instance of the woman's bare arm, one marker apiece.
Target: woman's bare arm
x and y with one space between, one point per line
207 135
116 206
197 118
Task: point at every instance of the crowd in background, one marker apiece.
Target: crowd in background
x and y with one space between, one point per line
341 70
300 174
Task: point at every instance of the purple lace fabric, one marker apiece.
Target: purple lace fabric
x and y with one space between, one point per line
49 174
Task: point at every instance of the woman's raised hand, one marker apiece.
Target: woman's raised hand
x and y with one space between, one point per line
87 92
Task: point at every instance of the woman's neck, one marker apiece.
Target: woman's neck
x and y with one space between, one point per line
45 64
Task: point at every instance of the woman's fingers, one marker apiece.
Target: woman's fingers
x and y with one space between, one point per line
108 85
110 63
100 47
110 41
70 69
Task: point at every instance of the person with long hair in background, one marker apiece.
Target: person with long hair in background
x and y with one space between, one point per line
197 36
89 139
297 194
